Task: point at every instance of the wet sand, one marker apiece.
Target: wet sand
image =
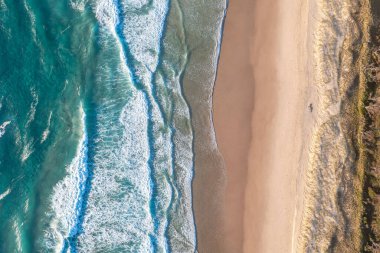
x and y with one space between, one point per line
259 109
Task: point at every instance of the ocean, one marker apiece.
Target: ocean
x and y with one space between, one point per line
96 131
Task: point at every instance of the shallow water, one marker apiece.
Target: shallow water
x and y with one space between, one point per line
96 136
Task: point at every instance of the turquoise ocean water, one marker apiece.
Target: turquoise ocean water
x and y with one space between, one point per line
96 140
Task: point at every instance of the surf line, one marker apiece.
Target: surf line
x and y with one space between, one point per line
168 122
82 191
128 59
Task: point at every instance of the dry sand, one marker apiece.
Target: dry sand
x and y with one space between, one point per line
259 110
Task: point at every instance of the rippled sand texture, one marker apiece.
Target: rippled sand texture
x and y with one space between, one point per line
333 209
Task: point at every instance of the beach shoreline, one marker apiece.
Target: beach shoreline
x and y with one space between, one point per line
260 107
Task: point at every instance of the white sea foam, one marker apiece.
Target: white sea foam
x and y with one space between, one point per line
4 194
28 144
32 19
16 229
26 206
27 150
136 4
32 110
3 127
118 215
78 4
66 194
143 34
105 12
183 239
46 132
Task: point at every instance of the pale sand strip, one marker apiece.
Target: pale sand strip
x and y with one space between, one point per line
260 107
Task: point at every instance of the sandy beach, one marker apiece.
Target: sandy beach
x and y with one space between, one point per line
295 112
260 105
